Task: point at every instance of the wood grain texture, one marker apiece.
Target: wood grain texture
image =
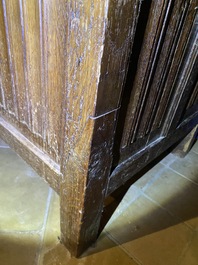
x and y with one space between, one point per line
89 121
82 77
63 68
185 82
145 64
14 35
41 162
135 163
119 38
152 90
6 97
33 44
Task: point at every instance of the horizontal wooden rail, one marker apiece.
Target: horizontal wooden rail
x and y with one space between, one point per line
39 160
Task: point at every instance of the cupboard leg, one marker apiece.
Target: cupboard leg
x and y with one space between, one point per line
84 183
80 221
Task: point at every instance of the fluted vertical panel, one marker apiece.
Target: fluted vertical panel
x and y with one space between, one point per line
32 63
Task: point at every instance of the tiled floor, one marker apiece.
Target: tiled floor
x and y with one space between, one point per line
155 224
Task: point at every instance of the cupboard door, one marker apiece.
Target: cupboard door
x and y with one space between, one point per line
161 90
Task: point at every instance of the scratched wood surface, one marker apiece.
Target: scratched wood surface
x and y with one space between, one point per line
32 42
86 87
95 77
154 94
63 65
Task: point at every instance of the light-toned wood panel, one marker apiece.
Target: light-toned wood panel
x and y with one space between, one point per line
85 36
6 95
32 63
15 43
35 39
54 37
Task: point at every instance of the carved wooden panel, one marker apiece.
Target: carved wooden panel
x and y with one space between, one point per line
155 84
62 68
32 77
63 98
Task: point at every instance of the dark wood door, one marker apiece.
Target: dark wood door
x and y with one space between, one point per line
62 70
160 94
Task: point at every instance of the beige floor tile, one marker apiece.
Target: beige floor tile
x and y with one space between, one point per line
105 253
190 256
187 166
169 159
52 231
3 144
161 248
149 177
23 195
175 193
150 234
7 157
142 217
19 249
193 222
132 194
53 253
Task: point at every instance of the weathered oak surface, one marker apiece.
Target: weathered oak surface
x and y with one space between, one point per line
91 91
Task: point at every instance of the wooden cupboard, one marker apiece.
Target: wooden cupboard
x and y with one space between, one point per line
92 91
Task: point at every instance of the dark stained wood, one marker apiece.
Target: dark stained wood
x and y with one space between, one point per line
144 69
63 69
175 61
119 37
153 90
134 164
193 101
186 80
167 45
90 127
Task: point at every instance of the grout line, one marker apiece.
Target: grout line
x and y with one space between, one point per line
42 231
20 232
170 162
189 226
183 176
123 248
118 211
185 249
47 208
168 211
4 147
152 180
